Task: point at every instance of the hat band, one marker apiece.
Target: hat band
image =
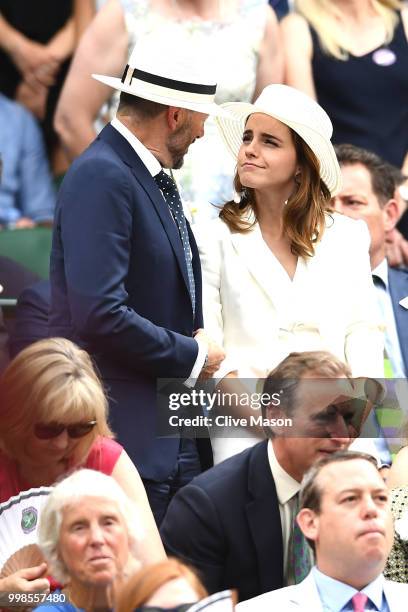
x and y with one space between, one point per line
155 79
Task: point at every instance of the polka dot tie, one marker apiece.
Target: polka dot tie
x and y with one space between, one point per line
170 192
359 600
300 555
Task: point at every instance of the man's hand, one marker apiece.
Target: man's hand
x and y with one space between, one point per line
215 354
29 580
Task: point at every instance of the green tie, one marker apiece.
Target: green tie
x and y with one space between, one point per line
299 550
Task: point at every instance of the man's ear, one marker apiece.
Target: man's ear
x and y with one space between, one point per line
276 413
175 117
390 215
308 522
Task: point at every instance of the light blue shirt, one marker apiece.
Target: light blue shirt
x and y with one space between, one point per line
336 596
26 188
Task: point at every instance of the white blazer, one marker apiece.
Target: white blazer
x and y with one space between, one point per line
259 315
304 597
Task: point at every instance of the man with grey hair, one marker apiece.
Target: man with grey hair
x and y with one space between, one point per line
345 515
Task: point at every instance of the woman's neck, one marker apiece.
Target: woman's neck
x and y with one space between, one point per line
89 598
269 210
43 477
356 10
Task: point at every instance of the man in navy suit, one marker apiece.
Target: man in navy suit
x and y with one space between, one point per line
125 270
368 194
234 523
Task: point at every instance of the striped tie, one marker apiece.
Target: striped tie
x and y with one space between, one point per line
170 192
300 555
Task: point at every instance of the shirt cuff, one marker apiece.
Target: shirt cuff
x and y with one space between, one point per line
198 365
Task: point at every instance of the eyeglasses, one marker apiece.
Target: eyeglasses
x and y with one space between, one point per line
46 431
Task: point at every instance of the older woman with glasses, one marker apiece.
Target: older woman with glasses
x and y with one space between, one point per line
53 419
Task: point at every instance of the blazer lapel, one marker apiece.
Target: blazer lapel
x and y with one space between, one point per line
398 286
264 520
263 266
128 155
305 596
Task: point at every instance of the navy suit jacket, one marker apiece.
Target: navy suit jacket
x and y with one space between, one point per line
398 289
119 288
31 317
226 524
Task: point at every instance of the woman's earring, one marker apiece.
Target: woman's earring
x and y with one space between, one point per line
298 176
242 198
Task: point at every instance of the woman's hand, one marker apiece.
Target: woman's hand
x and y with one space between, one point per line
396 249
28 580
35 61
33 98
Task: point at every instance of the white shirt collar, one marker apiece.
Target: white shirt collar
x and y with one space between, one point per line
148 159
286 486
382 271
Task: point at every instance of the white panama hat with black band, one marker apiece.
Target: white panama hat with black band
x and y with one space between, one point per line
169 67
296 110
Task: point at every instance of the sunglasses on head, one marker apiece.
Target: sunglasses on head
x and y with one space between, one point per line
46 431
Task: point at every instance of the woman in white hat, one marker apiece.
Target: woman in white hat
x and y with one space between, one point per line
281 273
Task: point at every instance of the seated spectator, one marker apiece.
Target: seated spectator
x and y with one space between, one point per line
27 195
90 534
53 419
368 193
345 516
166 585
233 523
352 57
31 317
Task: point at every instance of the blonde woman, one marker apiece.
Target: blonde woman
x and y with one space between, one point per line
281 274
53 419
352 56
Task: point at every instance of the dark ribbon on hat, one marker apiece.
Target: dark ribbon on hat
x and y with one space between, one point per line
155 79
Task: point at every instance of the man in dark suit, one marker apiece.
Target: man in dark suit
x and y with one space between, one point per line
235 522
31 317
368 194
125 271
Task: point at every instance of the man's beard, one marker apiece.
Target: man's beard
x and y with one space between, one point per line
178 144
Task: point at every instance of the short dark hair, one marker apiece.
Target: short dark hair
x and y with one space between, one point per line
287 374
383 175
311 493
139 106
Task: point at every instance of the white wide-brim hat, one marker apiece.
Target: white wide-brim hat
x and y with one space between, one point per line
296 110
171 67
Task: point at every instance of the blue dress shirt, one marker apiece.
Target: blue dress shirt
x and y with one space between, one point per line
336 596
26 188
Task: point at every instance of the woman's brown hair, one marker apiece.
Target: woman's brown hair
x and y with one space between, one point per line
304 216
142 585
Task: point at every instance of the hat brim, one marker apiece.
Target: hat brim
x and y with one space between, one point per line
232 128
146 93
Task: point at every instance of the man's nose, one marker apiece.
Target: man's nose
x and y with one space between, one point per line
369 507
336 204
340 431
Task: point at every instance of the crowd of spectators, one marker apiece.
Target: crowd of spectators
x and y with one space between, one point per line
271 262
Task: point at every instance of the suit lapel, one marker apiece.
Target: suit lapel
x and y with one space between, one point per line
264 520
305 596
398 284
128 155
